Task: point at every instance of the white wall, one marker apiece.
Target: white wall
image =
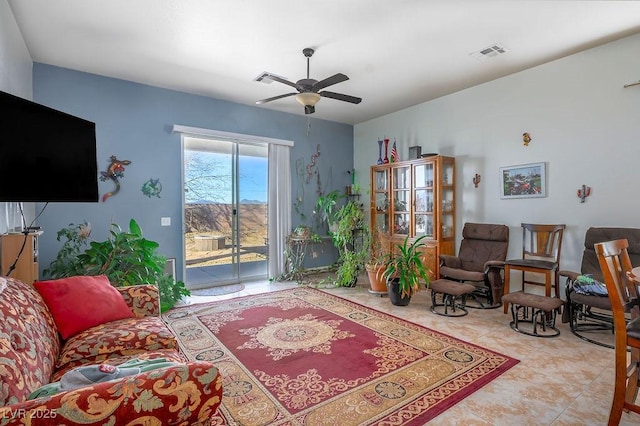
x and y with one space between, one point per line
15 61
15 78
583 124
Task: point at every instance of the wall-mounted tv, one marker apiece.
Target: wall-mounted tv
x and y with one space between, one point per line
46 155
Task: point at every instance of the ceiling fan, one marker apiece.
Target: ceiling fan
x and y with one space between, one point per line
308 93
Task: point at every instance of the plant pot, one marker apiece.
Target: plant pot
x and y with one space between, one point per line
302 232
376 280
393 290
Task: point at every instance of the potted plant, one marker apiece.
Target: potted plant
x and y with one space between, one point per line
326 207
351 238
374 265
403 270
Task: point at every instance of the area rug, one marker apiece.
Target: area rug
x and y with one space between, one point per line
218 291
306 357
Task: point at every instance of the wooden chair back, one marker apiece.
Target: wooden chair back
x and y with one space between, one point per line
542 241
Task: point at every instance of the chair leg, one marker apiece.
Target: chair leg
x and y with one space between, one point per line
507 280
619 388
634 378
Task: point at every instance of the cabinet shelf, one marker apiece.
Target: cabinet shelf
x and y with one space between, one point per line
26 266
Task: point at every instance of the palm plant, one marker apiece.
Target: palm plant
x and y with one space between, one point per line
405 266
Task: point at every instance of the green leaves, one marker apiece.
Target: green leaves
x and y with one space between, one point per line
126 258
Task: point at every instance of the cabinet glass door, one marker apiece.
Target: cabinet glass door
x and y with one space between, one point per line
401 200
423 181
381 199
448 200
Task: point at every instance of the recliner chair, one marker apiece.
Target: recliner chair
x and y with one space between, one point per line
480 262
589 316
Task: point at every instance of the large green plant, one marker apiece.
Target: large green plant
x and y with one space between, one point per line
326 206
126 258
351 238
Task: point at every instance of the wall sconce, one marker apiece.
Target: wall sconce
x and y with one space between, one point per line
584 192
476 180
526 138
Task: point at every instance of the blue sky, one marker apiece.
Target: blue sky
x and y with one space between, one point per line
208 177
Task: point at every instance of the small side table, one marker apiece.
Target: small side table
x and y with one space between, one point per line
295 253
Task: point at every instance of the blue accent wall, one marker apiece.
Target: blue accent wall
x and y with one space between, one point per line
134 122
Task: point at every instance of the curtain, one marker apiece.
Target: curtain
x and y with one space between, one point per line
279 206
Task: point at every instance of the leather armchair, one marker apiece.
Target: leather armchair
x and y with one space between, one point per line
480 262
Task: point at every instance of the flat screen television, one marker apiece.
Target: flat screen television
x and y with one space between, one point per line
46 155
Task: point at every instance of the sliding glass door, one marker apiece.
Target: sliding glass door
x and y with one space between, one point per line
225 211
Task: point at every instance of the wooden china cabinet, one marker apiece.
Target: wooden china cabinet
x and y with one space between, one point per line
414 198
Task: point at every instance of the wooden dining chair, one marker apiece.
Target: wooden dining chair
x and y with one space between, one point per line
541 247
615 264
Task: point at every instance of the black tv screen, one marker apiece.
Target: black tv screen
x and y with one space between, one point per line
46 155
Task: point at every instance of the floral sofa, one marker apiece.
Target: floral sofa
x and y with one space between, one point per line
33 354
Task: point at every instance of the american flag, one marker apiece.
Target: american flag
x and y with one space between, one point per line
394 153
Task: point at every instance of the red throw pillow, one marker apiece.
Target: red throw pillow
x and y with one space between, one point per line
81 302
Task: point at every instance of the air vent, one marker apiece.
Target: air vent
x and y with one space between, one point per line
489 52
265 77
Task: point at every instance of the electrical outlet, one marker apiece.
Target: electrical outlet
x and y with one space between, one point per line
165 221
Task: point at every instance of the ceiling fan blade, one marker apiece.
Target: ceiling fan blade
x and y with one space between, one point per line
262 101
329 81
280 80
340 97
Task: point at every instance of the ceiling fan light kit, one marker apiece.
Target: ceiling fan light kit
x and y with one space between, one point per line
308 89
308 98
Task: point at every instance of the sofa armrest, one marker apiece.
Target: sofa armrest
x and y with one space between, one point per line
184 394
450 261
144 299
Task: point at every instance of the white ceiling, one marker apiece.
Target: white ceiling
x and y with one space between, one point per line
396 53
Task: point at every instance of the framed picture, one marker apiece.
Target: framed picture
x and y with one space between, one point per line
523 181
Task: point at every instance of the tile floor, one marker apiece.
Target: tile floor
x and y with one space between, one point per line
559 381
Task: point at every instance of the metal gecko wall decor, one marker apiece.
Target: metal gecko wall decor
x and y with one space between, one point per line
114 172
312 164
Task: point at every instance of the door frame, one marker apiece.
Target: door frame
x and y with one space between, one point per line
221 135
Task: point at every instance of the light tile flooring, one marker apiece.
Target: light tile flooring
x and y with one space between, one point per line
559 381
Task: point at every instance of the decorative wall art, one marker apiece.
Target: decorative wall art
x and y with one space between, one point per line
584 192
152 188
523 181
476 180
114 172
299 199
312 163
526 138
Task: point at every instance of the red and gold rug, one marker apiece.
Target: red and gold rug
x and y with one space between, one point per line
306 357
